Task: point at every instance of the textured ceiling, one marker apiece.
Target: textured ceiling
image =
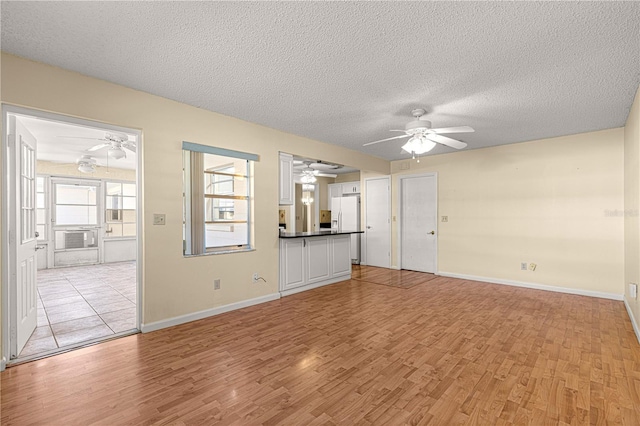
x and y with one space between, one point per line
347 72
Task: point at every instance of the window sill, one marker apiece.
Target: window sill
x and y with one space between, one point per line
214 253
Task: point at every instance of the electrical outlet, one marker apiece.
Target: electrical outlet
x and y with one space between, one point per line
255 277
523 266
533 266
216 284
159 219
445 218
633 290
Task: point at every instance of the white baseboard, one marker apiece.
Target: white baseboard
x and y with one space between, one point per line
634 321
170 322
316 285
590 293
3 364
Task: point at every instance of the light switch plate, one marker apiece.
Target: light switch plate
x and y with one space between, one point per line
159 219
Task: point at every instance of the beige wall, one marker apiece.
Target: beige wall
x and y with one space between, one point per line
632 205
348 177
554 202
172 284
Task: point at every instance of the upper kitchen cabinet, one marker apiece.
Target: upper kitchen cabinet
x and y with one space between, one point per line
287 192
350 188
345 188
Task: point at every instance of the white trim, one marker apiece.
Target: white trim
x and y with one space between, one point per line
170 322
5 238
634 322
535 286
3 364
398 198
300 289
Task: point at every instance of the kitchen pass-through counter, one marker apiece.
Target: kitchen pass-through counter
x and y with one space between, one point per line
313 259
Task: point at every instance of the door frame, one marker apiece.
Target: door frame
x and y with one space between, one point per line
399 204
9 109
363 212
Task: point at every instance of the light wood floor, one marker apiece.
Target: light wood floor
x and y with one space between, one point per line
443 352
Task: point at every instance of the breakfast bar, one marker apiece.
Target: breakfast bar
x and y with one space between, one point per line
314 259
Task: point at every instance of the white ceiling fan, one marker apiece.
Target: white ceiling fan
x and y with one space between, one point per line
423 138
309 169
115 141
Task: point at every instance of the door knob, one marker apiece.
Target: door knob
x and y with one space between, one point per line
432 232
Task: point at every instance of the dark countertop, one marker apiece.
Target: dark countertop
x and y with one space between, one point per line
321 233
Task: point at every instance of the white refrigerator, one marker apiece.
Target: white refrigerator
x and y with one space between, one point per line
345 216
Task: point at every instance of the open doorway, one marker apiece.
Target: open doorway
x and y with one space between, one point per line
71 233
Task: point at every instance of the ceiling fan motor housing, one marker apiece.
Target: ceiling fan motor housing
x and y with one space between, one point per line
417 126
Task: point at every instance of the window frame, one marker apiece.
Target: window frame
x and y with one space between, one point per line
108 223
195 195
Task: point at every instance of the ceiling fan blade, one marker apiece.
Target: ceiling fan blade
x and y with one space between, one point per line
130 147
329 175
100 146
461 129
453 143
81 137
388 139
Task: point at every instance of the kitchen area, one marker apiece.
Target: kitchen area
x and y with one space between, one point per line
319 223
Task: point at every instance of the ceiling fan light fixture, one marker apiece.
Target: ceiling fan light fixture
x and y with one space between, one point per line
86 164
418 145
116 153
307 178
86 168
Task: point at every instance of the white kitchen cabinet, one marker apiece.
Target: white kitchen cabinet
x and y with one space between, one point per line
286 185
317 259
350 188
311 262
292 261
341 256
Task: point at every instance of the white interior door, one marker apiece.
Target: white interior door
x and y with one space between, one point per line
419 223
23 238
377 222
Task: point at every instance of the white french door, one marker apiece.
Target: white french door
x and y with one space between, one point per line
22 235
418 221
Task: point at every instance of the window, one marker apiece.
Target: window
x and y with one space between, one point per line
217 199
120 209
75 204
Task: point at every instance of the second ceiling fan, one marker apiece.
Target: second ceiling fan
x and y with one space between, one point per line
117 143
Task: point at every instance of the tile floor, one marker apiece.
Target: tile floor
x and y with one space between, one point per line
83 303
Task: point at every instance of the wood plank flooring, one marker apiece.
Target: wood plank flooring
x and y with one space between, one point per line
443 352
